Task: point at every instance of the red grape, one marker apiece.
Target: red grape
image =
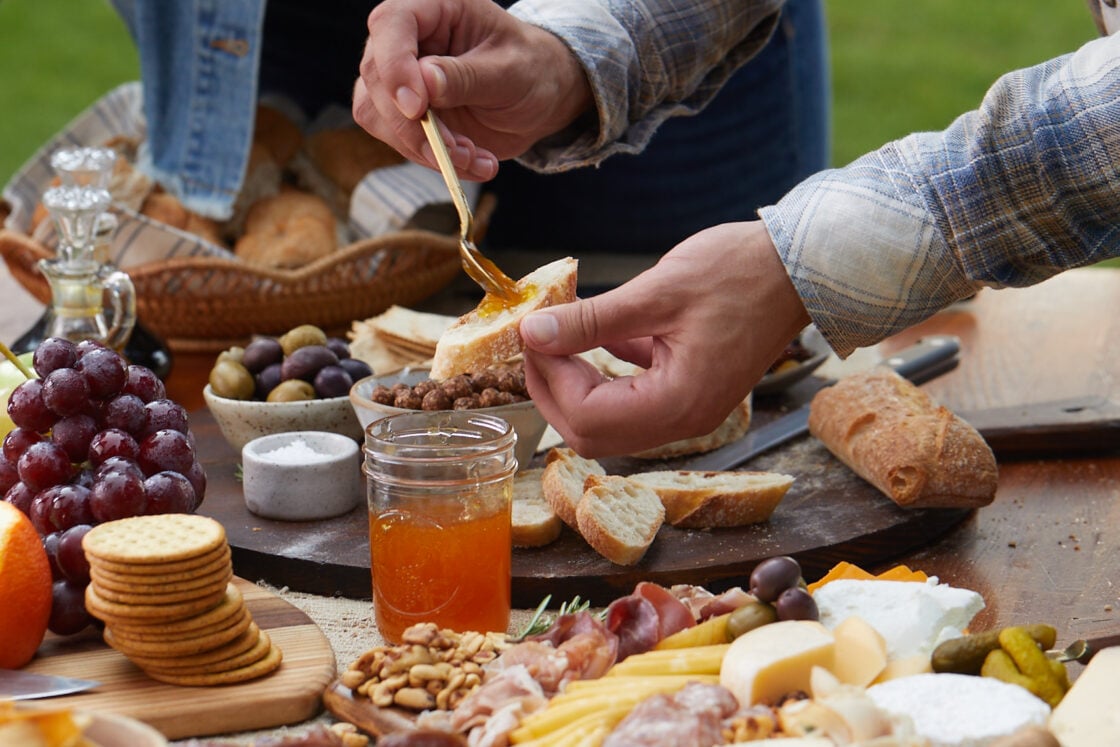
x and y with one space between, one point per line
169 493
117 464
73 434
20 496
197 476
65 505
65 392
126 412
27 409
112 442
9 475
50 546
166 450
105 372
44 464
72 560
164 414
143 383
68 608
17 441
118 495
54 353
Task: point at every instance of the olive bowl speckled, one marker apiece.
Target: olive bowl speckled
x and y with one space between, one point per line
302 475
240 421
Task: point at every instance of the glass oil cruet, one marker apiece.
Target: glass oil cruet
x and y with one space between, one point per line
89 297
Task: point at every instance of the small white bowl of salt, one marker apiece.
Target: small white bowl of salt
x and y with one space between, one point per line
302 475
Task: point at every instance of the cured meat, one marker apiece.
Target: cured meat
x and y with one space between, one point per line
646 616
692 717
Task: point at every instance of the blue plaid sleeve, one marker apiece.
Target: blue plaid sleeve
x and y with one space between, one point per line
1010 194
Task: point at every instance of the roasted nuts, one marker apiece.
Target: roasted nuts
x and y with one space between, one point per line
431 668
491 387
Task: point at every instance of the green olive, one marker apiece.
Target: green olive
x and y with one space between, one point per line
231 380
235 354
302 336
292 390
748 617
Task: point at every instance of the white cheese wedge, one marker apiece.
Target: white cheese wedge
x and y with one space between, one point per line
960 710
773 660
861 652
912 617
1089 715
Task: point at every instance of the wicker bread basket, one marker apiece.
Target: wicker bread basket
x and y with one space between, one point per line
199 303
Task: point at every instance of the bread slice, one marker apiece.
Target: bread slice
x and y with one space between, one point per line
619 518
535 524
733 427
892 434
702 500
565 472
482 337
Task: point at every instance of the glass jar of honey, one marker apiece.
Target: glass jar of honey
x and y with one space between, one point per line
439 486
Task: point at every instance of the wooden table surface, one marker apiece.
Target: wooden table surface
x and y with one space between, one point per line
1047 549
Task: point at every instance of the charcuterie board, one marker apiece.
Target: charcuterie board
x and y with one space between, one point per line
828 515
291 694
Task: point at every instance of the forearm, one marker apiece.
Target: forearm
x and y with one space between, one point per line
646 60
1009 195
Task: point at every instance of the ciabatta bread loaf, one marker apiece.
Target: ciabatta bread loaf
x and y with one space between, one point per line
892 434
565 472
535 524
703 500
484 337
619 518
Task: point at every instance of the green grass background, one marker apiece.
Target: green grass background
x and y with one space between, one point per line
898 66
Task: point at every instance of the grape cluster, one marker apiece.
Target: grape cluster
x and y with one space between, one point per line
777 581
96 439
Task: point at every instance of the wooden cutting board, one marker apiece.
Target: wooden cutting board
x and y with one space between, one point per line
289 695
828 515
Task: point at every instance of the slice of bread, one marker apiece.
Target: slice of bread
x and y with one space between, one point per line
565 472
535 524
619 518
733 427
483 337
702 500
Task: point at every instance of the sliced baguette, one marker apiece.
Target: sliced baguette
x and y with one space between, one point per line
535 524
892 434
565 473
731 429
482 338
619 518
702 500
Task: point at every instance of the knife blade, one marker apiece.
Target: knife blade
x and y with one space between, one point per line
19 685
1084 649
926 359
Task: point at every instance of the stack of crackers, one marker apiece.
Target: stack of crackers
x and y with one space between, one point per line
163 587
397 338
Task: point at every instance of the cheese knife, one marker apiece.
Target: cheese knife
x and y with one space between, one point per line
926 359
1084 649
19 685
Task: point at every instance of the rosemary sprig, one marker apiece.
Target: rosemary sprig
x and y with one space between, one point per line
540 622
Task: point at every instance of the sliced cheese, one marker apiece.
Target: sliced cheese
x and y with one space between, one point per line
861 652
907 667
1088 715
912 617
773 660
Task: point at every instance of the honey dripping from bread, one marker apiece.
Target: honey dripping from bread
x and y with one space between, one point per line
512 294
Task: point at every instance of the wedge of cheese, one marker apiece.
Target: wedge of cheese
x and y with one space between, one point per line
1088 715
861 652
773 660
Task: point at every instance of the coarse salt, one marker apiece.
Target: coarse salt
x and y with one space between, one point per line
296 451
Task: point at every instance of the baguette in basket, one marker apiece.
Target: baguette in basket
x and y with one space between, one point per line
892 434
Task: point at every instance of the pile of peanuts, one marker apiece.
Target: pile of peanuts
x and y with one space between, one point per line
431 668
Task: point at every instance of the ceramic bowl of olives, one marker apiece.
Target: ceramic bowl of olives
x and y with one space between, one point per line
299 381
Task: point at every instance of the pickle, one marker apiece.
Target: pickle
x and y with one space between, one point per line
1034 665
748 617
965 655
999 665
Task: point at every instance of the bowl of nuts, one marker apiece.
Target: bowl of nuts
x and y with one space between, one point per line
299 381
498 391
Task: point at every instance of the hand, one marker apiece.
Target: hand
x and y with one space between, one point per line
706 322
497 83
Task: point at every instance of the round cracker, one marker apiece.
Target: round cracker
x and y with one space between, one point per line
158 632
232 603
111 612
239 645
256 653
160 538
186 646
207 560
143 596
267 665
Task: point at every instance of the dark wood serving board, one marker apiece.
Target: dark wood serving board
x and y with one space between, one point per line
828 515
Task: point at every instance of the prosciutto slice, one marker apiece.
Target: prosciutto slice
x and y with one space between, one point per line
646 616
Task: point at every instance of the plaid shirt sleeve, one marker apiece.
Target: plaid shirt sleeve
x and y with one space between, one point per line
646 60
1010 194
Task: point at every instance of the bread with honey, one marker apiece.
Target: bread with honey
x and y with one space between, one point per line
703 500
565 472
892 434
619 518
489 334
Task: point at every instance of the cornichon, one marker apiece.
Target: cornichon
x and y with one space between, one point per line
965 655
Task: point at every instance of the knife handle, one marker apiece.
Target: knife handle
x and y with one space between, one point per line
1096 644
926 359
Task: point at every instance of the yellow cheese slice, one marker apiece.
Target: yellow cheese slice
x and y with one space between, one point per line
768 662
1088 715
905 667
861 652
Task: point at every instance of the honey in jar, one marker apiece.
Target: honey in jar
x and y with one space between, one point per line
439 488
